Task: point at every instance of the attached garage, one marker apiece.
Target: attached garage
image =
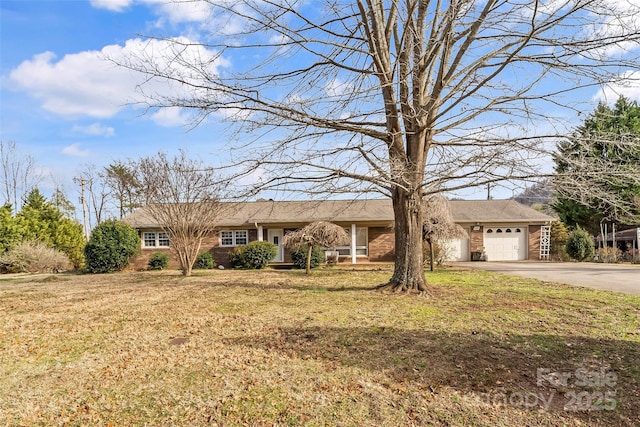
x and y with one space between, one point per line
506 243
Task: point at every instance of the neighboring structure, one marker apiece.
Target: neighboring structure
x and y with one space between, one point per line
625 240
501 229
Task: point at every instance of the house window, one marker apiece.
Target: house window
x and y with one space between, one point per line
518 230
155 239
362 246
242 237
489 230
234 237
163 240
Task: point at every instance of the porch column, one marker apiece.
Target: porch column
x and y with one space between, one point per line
260 233
353 243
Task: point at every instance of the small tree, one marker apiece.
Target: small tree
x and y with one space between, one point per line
559 239
183 198
319 233
580 245
438 224
110 247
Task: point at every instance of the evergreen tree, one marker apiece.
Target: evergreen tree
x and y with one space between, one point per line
608 141
40 220
10 231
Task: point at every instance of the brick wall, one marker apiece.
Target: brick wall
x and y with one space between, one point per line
534 242
210 243
476 240
381 244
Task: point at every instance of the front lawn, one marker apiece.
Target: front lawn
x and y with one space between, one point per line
232 348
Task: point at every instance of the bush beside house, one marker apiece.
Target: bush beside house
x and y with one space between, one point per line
580 245
299 256
254 255
110 247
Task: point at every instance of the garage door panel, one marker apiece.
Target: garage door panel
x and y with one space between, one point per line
457 249
505 243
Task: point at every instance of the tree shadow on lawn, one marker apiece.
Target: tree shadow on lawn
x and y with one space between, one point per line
492 368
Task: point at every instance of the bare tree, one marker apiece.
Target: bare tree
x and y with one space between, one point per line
319 233
183 197
18 174
121 178
405 98
439 225
96 194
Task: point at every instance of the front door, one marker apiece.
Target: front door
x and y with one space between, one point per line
275 237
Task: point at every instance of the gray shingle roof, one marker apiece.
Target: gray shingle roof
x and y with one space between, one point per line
381 210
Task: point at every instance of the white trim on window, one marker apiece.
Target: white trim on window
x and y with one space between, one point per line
361 242
230 238
155 239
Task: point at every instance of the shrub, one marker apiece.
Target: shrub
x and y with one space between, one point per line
558 240
158 261
255 255
580 245
609 254
33 257
236 259
299 256
110 247
204 261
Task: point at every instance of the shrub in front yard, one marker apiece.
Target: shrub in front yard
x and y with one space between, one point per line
205 261
255 255
158 261
580 245
299 256
33 257
559 238
110 247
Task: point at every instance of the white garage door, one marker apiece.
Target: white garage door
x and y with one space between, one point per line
457 249
505 243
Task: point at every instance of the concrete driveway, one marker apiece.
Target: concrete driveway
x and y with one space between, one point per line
608 277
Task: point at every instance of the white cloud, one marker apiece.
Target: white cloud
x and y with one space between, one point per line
184 11
622 18
629 86
113 5
94 129
89 84
337 87
176 11
74 150
169 117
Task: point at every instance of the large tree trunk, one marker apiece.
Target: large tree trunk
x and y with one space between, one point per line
408 274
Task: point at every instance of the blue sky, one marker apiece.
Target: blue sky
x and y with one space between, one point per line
64 105
47 48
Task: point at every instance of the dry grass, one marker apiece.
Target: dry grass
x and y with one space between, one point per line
231 348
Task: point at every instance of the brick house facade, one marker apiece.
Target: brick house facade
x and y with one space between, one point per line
370 224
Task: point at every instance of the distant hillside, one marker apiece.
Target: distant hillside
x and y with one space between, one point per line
539 196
